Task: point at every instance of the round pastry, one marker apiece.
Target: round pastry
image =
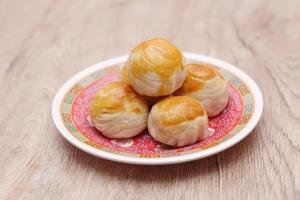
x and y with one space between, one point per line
117 111
178 121
205 83
155 68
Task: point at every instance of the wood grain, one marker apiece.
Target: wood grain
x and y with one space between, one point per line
43 43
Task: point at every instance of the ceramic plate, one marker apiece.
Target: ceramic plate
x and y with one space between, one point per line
70 115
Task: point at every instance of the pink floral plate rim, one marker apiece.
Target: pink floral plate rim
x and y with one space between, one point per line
117 154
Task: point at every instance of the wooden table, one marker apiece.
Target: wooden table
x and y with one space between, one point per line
43 43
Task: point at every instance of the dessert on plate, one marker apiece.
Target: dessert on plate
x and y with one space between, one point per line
178 121
118 112
155 68
182 96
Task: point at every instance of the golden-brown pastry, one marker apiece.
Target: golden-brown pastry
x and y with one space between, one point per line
155 68
118 112
205 83
178 121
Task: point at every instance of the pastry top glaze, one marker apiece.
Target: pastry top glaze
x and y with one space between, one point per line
197 77
116 97
156 55
178 109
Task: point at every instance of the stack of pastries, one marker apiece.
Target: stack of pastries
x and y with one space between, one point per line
181 96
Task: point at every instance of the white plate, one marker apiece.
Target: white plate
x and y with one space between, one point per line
96 150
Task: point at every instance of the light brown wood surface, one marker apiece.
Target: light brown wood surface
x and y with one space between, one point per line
43 43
